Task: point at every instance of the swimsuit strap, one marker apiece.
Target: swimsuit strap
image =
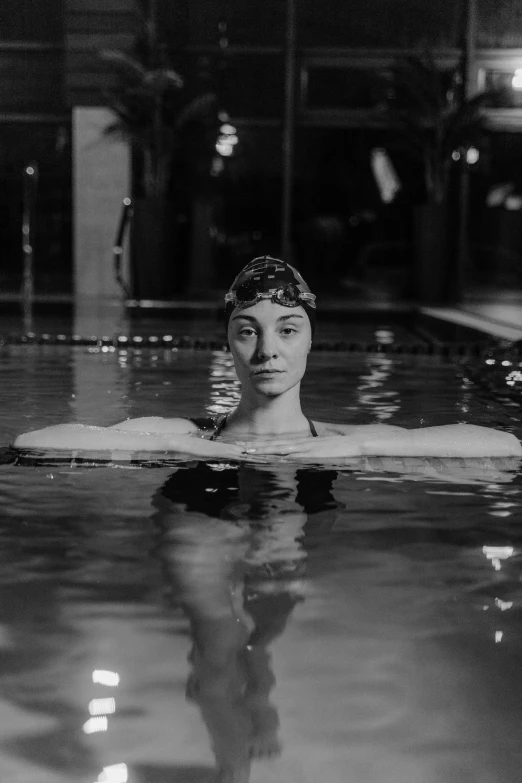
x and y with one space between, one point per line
222 423
219 427
312 429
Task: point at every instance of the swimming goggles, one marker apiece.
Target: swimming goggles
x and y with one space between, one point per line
289 295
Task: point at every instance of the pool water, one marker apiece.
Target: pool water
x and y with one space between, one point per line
263 622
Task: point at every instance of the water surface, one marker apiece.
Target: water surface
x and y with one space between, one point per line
279 622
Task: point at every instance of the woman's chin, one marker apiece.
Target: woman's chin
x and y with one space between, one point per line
268 385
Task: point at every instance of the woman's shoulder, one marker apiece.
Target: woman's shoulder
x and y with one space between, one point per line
326 428
174 425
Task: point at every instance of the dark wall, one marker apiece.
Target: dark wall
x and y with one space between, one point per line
34 126
356 23
31 20
31 56
499 23
376 23
90 26
47 144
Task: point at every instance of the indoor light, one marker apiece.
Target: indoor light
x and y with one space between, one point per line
472 155
516 81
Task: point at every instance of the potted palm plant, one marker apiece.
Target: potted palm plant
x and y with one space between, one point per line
439 125
155 112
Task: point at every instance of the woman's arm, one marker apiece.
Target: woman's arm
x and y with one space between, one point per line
150 434
85 437
450 440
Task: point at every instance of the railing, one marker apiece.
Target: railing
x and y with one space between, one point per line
117 250
30 185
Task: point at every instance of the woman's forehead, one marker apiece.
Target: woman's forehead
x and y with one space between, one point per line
266 311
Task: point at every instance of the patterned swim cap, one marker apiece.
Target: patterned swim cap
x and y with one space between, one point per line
270 278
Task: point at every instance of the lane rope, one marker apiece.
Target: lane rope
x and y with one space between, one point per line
478 349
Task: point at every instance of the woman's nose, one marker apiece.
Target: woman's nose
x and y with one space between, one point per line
266 347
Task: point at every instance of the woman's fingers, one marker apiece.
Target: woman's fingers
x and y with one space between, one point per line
201 447
282 447
329 447
231 450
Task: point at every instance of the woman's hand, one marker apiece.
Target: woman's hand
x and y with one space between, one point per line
196 446
330 446
450 441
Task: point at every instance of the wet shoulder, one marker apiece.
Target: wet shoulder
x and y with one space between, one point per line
160 424
325 428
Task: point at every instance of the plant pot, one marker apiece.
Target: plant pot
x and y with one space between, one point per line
431 254
153 246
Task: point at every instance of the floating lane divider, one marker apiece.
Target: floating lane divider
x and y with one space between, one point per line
488 347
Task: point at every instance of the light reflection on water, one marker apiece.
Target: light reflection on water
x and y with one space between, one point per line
352 623
225 389
372 395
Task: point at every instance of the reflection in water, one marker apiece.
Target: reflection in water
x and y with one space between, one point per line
40 715
115 773
408 646
231 541
103 677
373 393
225 391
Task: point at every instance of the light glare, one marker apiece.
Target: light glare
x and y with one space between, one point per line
94 725
472 155
516 81
224 148
105 677
102 706
116 773
498 552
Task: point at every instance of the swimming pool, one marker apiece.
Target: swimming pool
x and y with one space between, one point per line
365 616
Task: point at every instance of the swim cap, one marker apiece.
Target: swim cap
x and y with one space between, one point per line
270 278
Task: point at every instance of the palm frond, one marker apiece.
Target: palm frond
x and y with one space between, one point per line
152 106
163 79
197 109
123 64
435 119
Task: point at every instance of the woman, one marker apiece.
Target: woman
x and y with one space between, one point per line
270 313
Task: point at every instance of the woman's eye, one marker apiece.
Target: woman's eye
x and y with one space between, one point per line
247 332
288 330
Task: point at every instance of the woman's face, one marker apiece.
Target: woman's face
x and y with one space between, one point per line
270 345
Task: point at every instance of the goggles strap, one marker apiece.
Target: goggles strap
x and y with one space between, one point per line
288 295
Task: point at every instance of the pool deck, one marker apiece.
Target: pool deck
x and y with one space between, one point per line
496 312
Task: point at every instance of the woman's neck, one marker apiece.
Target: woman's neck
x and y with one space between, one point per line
268 416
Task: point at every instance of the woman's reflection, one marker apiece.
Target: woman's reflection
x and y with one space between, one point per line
232 542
